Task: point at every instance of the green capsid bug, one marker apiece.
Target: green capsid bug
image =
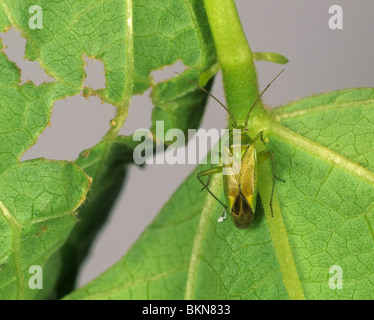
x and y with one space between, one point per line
240 177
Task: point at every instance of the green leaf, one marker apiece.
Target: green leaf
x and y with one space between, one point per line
340 120
37 203
123 35
323 217
4 22
156 266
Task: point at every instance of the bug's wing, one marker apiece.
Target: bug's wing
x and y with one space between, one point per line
248 176
231 177
240 186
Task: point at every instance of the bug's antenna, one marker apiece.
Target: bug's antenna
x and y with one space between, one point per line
207 92
259 97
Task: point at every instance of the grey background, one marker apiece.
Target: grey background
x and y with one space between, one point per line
320 60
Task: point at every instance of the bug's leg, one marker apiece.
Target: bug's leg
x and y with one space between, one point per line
207 184
261 157
259 135
264 155
208 173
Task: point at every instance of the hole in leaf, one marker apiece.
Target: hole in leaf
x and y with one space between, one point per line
168 72
77 123
14 47
140 110
140 114
95 78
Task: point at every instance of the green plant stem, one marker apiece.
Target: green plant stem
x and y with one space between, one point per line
241 88
235 58
118 121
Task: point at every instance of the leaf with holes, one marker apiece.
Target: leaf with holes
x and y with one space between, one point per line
123 35
37 198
